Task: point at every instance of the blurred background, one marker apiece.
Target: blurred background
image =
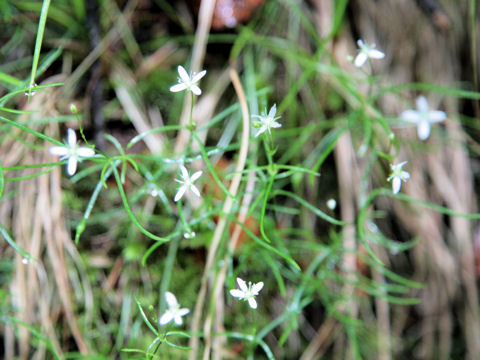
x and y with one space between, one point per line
117 59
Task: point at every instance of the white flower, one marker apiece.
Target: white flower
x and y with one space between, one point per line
267 122
153 190
189 235
173 312
72 152
187 183
331 204
188 82
247 292
366 51
423 117
397 176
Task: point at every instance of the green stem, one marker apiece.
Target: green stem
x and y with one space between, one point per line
192 124
264 208
129 211
38 41
210 166
182 218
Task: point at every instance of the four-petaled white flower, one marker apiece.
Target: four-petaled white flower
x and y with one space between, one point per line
173 312
267 122
72 152
365 52
423 117
247 292
188 82
187 183
397 176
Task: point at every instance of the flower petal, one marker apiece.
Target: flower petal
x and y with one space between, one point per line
262 129
180 192
273 111
276 125
423 129
436 116
183 311
196 90
85 152
178 87
196 176
72 165
183 74
360 59
71 138
178 319
252 302
257 287
195 190
412 116
242 285
184 171
404 175
197 76
166 318
58 150
396 184
171 300
237 293
422 104
376 54
360 43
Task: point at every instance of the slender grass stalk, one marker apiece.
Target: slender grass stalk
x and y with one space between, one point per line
38 42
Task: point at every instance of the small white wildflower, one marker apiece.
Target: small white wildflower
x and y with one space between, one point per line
331 204
422 117
72 152
188 82
173 312
247 292
365 52
187 183
153 190
397 176
189 235
25 261
267 122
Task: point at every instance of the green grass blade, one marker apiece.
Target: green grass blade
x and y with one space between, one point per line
38 42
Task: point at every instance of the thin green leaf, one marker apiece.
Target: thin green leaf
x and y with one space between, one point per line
37 335
129 211
14 245
309 206
39 40
145 319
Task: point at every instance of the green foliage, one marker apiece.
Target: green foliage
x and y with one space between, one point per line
135 243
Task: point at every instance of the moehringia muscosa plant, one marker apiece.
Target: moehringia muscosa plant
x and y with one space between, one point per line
267 122
188 82
397 176
366 52
423 117
247 292
174 312
187 183
72 152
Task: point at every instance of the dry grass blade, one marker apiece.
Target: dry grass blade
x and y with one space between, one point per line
39 226
201 36
227 207
125 85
